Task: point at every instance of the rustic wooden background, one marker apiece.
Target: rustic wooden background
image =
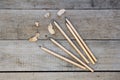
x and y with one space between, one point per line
98 22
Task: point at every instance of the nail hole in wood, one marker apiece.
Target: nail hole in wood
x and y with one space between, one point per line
45 35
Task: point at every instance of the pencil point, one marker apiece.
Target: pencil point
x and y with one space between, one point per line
54 21
66 18
49 38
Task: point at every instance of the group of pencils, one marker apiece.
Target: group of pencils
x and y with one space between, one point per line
81 63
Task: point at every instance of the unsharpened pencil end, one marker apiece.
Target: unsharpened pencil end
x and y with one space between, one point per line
92 71
93 63
95 60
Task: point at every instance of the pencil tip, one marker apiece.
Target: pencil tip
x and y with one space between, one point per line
49 38
66 18
54 21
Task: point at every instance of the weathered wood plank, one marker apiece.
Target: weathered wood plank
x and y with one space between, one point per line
45 4
58 4
106 4
21 55
91 24
61 76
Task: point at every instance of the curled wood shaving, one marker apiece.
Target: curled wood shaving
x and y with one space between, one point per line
60 12
36 24
47 15
37 35
34 38
51 29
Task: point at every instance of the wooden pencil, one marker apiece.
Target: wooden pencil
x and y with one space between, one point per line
80 38
63 58
78 41
71 54
70 41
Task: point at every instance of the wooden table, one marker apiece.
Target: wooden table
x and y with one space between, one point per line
98 22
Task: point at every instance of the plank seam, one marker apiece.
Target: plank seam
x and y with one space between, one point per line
56 71
58 8
65 39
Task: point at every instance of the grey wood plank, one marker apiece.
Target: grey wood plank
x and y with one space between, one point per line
58 4
59 76
45 4
106 4
21 55
91 24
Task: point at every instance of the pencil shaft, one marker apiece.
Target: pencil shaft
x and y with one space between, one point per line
81 40
71 54
70 41
63 58
80 44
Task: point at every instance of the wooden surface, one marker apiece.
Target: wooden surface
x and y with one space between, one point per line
57 4
45 4
101 4
94 24
60 76
21 55
97 21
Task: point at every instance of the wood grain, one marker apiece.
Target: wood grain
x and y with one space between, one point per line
106 4
91 24
58 4
21 55
45 4
17 19
61 76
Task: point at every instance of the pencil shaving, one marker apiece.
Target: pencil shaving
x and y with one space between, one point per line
47 15
34 38
36 24
51 29
37 35
60 12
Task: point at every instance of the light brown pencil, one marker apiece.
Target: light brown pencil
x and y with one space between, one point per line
78 41
71 54
70 41
63 58
80 38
